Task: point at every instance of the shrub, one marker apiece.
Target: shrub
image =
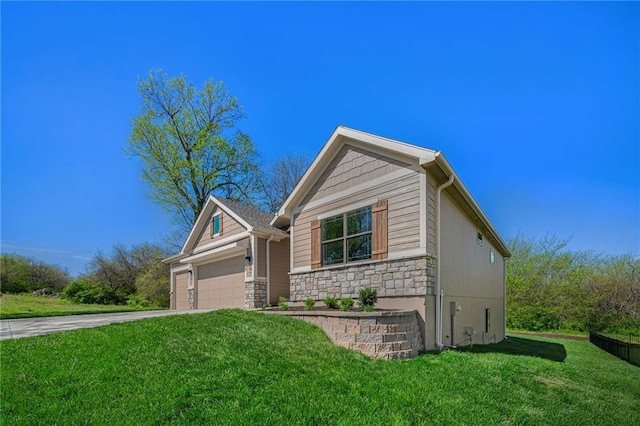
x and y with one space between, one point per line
282 302
346 303
136 301
331 302
87 291
368 298
309 304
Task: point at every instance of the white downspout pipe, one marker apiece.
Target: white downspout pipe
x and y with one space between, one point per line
271 237
439 291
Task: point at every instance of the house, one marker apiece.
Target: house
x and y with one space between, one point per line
369 212
375 212
232 258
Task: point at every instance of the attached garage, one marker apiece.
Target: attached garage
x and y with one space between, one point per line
232 258
221 284
181 290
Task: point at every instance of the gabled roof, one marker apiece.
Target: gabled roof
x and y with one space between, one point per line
429 159
252 219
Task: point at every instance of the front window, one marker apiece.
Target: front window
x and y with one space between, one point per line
347 237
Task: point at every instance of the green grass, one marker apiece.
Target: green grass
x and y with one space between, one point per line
234 367
25 306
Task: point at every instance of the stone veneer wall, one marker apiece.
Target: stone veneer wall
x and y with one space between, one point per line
255 294
378 334
191 298
402 277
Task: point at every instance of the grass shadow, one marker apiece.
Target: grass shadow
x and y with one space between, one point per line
521 346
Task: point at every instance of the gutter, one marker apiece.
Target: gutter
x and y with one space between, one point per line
439 291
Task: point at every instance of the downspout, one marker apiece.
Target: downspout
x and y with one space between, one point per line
439 291
271 237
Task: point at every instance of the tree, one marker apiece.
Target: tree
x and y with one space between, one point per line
279 179
186 140
551 287
15 273
20 274
119 270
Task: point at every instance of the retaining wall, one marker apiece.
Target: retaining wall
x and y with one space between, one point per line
378 334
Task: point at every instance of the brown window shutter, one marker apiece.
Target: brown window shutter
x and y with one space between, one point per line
316 258
220 224
379 217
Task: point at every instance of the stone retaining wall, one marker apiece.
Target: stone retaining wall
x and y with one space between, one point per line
378 334
402 277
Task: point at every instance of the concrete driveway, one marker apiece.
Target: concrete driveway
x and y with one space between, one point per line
27 327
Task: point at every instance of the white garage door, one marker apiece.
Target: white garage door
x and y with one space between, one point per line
221 284
181 292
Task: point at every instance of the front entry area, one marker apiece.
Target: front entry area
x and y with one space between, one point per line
221 284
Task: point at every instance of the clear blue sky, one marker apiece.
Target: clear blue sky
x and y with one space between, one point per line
536 106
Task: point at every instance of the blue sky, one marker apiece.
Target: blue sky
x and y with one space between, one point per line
536 106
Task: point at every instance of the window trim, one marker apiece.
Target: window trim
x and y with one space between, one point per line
345 237
492 257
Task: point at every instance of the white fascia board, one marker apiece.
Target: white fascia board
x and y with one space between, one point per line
218 253
266 233
477 210
172 258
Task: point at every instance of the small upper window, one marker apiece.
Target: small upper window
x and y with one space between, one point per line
492 257
215 225
480 240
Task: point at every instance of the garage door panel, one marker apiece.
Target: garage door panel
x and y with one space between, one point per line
181 290
221 284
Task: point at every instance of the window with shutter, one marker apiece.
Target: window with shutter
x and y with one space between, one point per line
350 237
216 225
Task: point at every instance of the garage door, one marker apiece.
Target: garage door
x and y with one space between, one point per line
181 293
221 284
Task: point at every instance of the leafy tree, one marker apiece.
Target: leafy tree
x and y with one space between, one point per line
153 285
186 140
121 268
20 274
279 179
15 273
550 287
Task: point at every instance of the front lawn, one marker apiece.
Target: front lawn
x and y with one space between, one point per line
234 367
26 306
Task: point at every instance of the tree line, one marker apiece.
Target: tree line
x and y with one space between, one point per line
134 276
550 287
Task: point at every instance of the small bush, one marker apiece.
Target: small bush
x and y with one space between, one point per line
309 304
368 298
331 302
87 291
137 302
282 302
346 303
